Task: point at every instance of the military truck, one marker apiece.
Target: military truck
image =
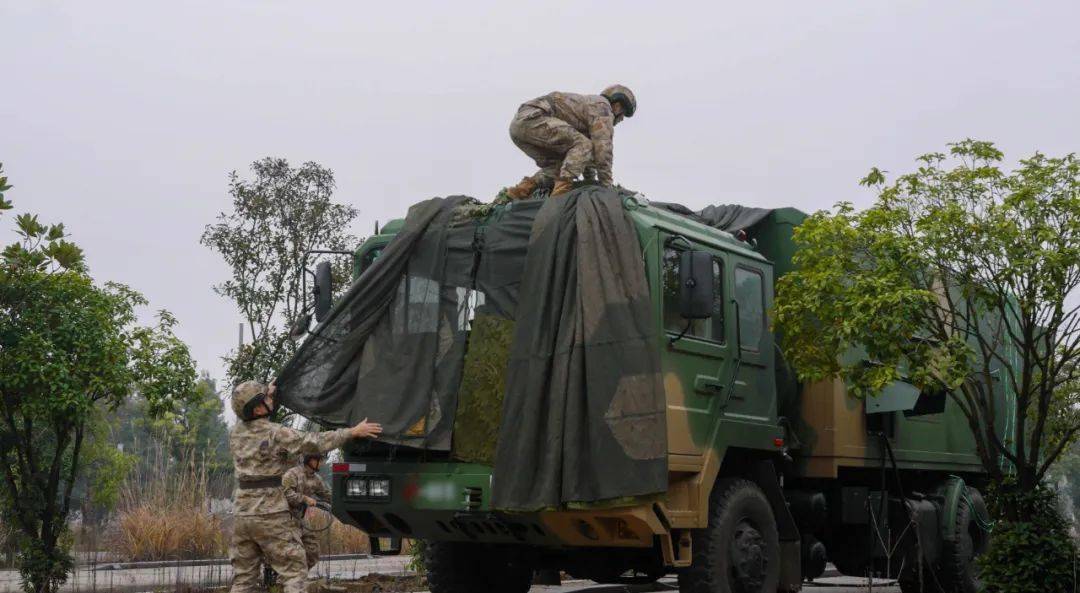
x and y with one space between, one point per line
767 478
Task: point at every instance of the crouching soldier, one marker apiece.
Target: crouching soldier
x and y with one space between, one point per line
303 488
265 530
569 135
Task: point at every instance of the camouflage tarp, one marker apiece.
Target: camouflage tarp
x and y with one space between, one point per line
583 411
583 387
726 217
391 348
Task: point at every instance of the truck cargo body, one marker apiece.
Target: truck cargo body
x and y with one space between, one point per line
829 467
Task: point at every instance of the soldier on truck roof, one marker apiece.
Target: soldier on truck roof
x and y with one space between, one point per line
569 135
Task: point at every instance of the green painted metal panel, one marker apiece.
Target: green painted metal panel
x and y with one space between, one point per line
896 397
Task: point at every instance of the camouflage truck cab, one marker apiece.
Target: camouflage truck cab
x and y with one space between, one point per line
767 478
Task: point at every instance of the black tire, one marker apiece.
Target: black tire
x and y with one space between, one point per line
739 552
957 572
958 568
456 567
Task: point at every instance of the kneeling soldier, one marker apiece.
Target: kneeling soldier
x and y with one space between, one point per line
303 489
265 530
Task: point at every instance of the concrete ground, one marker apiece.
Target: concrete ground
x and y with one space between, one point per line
165 576
160 576
837 584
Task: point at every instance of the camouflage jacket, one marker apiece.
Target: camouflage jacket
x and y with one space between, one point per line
589 114
299 482
264 450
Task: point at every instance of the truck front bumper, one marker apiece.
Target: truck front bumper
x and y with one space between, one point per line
447 501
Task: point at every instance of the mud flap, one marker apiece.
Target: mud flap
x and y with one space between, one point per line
790 544
790 567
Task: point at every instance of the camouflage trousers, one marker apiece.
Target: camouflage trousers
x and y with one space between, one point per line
311 547
558 149
272 539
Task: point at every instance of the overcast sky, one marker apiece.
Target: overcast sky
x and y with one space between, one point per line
122 120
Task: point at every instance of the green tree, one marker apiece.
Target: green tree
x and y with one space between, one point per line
195 425
955 267
278 216
70 349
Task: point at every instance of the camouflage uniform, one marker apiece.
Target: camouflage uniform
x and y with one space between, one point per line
566 133
265 530
298 482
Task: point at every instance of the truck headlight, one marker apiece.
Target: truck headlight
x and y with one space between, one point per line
356 487
379 488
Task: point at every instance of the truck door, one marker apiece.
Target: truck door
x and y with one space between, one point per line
753 393
695 356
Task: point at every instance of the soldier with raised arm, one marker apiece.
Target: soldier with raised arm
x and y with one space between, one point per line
265 530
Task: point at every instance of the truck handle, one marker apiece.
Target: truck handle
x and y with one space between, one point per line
729 392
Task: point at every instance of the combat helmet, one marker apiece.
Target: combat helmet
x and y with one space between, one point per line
309 456
620 93
245 397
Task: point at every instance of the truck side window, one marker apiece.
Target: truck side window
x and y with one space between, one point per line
707 329
750 295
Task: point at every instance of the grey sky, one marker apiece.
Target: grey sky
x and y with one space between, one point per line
123 119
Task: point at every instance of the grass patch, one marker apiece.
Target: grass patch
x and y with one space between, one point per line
164 513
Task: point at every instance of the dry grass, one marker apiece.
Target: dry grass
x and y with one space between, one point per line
339 538
146 533
164 513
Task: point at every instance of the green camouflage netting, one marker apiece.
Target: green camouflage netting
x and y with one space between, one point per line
572 361
480 397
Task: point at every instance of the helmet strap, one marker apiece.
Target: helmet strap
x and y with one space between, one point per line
253 405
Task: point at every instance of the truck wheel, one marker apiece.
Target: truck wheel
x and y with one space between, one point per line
739 552
969 541
958 571
456 567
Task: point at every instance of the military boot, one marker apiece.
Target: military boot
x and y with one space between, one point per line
523 190
562 186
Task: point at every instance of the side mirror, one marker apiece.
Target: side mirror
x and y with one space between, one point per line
696 285
323 290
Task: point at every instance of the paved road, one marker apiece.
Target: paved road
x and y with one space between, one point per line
825 585
128 580
162 577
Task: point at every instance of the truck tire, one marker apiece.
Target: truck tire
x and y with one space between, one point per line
457 567
957 572
968 542
739 551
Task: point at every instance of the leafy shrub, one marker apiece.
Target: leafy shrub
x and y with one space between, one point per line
1030 548
417 558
